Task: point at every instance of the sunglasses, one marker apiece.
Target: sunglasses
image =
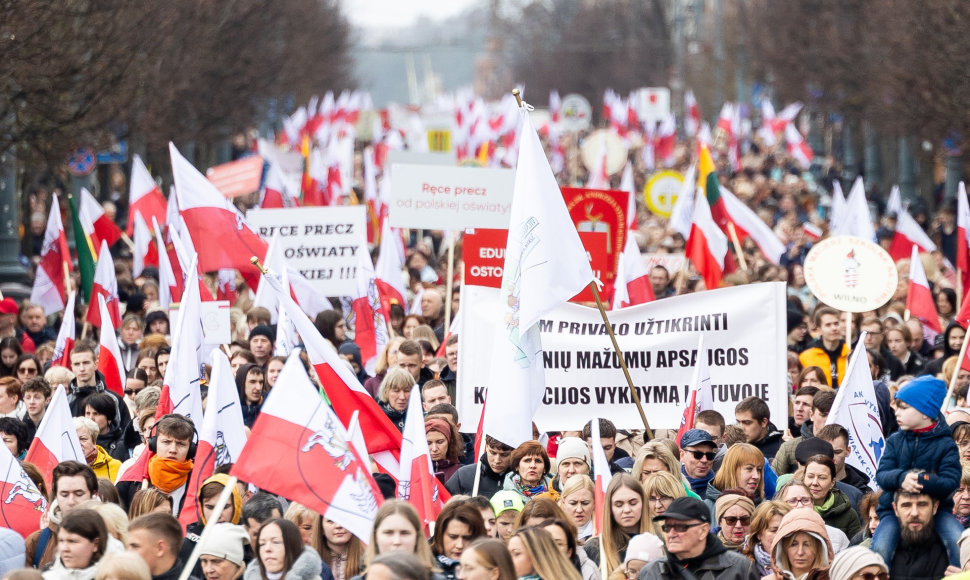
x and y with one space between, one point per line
709 455
679 528
732 521
26 371
871 576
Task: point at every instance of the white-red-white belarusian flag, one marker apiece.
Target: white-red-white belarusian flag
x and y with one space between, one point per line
389 268
103 229
222 436
798 148
919 299
963 236
706 245
417 484
183 375
145 253
56 438
109 355
65 335
170 284
370 322
144 196
49 288
545 265
296 433
908 234
218 230
692 120
105 285
345 392
701 396
23 503
601 476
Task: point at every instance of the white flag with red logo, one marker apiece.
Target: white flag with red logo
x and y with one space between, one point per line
103 229
601 475
22 503
56 438
417 484
144 196
222 436
65 335
109 355
55 263
701 396
370 324
297 434
345 392
220 233
106 286
919 299
855 219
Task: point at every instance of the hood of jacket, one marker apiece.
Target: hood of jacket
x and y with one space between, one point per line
801 520
235 497
102 459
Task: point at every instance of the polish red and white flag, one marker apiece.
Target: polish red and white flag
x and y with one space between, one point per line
919 298
145 252
23 503
56 438
144 196
65 336
106 286
109 355
601 475
417 484
103 229
49 289
370 320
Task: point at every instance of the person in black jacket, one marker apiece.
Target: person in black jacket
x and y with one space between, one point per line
251 383
494 466
88 381
754 417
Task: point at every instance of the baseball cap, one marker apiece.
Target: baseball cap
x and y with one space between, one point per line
8 306
696 437
686 508
506 500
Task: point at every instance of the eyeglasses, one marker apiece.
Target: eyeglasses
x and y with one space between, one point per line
679 528
732 521
871 576
709 455
796 501
663 499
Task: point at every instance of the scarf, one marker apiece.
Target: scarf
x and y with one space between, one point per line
528 491
762 559
826 505
734 547
168 474
698 484
964 520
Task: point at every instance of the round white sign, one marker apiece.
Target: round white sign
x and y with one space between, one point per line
592 150
577 113
851 274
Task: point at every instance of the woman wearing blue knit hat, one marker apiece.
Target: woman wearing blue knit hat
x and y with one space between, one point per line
921 458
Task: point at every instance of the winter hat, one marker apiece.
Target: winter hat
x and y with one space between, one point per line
439 425
728 501
263 330
8 306
925 394
850 560
226 541
572 448
505 500
645 547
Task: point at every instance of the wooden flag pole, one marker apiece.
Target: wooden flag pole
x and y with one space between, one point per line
128 241
848 328
737 246
648 433
478 468
959 288
953 379
221 502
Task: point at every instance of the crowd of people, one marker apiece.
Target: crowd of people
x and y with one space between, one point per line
740 497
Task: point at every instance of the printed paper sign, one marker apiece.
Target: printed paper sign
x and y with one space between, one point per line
216 325
744 331
321 242
450 198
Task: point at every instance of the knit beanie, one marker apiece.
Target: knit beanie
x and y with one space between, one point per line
925 394
646 547
728 501
226 541
850 560
263 330
572 448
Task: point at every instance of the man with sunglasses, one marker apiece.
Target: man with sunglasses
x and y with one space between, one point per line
697 453
692 550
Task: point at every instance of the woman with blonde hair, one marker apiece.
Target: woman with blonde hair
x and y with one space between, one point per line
742 468
801 548
535 555
397 528
425 332
148 500
655 456
576 501
341 550
394 394
307 521
488 558
764 525
623 518
659 490
122 566
386 360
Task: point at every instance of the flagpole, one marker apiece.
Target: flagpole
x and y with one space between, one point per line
848 327
449 283
128 241
478 469
648 433
959 288
207 531
953 379
737 246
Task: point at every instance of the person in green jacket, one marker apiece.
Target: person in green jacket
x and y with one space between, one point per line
830 502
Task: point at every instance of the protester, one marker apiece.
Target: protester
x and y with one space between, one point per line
101 408
742 468
535 555
830 502
221 555
445 446
387 359
529 475
397 528
124 566
394 393
507 506
251 384
764 525
784 461
572 458
829 351
921 551
857 563
800 548
206 502
81 542
624 519
487 559
494 467
733 512
37 395
660 490
259 509
174 445
870 520
103 464
754 417
608 442
456 527
576 501
280 553
341 550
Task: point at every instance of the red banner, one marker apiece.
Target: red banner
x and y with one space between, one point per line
483 253
599 211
